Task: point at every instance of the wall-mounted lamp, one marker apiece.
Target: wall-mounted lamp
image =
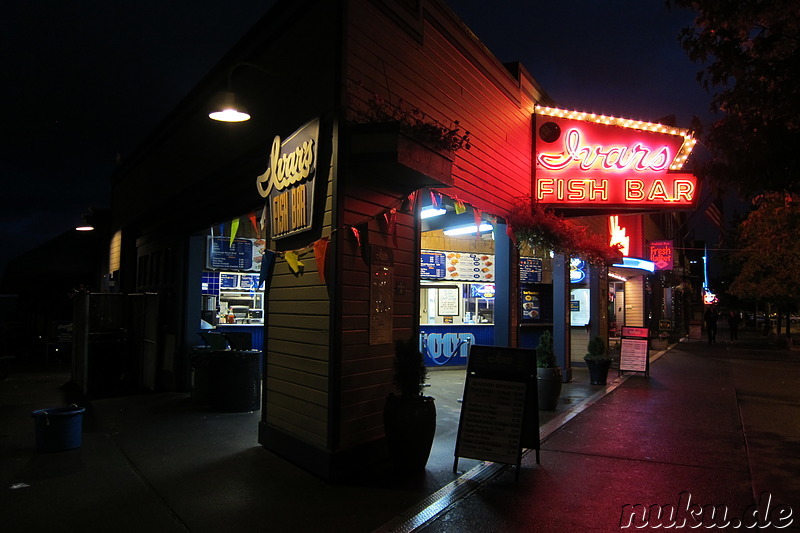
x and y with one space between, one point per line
227 108
85 224
94 218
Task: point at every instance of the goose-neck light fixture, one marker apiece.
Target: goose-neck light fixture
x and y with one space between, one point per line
228 109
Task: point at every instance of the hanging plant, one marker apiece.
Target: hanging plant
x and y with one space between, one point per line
416 124
536 226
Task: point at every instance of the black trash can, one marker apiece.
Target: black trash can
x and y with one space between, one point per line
235 377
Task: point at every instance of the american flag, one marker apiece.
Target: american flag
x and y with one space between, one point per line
714 213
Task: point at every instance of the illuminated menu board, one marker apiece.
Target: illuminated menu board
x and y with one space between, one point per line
457 266
530 270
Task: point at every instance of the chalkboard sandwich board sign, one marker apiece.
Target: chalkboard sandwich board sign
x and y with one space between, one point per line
500 411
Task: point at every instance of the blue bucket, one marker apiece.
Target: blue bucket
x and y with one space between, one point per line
59 428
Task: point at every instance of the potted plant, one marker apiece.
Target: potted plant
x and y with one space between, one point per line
406 147
598 361
548 373
409 417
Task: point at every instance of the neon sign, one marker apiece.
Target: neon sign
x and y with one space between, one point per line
661 253
618 235
640 264
637 157
585 160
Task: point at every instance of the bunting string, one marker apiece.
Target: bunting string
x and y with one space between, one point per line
387 218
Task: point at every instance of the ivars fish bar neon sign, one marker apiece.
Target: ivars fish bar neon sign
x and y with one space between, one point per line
585 160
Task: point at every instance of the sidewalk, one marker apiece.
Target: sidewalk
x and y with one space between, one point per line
155 462
717 424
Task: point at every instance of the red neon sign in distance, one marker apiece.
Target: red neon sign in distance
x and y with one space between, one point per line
587 164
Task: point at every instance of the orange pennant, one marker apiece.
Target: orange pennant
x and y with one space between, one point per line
320 249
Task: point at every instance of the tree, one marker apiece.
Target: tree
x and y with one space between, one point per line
749 50
769 252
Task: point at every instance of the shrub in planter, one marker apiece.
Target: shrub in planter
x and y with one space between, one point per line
409 417
598 361
548 373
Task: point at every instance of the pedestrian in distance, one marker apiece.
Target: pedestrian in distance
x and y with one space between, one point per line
733 325
710 317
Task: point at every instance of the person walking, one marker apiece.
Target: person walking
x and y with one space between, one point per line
733 326
710 318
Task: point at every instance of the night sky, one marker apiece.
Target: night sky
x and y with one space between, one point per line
85 82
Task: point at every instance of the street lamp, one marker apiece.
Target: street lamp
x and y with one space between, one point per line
227 108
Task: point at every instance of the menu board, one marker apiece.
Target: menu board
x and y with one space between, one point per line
432 265
457 266
491 420
248 282
633 355
224 255
530 304
228 281
530 270
634 350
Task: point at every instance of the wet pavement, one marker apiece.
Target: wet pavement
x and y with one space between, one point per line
721 422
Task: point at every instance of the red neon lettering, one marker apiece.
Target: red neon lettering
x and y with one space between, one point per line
658 192
544 187
684 190
637 157
600 188
575 190
634 190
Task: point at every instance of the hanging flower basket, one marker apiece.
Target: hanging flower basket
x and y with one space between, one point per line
538 227
382 154
399 146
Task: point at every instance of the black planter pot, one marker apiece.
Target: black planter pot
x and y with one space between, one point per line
549 387
410 424
598 371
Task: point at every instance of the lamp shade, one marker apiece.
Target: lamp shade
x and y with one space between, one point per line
228 110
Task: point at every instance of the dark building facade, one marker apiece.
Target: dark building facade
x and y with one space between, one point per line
321 187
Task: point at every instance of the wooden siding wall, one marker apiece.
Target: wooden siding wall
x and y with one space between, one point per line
296 390
442 69
634 302
366 370
398 53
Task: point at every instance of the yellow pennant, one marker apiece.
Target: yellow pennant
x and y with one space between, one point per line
294 262
234 230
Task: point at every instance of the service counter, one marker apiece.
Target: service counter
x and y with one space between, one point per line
448 344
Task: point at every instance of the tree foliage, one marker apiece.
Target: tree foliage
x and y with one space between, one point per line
769 242
748 50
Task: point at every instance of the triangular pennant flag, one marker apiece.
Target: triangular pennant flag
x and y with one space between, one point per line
267 260
391 220
410 202
320 249
478 221
357 235
294 262
434 200
252 218
234 230
459 206
264 217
